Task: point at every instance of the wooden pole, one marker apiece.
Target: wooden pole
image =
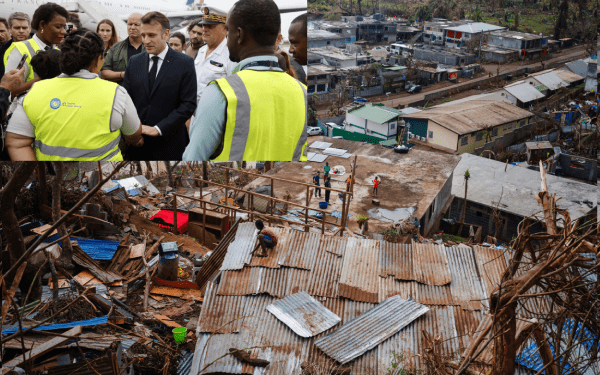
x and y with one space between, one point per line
227 187
306 209
323 224
204 223
272 203
42 180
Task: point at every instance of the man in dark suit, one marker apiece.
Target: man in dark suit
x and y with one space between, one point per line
162 84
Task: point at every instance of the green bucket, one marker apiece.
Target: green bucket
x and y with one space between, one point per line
179 334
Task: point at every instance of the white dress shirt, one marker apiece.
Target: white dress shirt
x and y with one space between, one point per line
214 66
161 58
15 57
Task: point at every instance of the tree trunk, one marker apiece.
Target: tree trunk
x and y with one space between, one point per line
268 165
169 174
148 169
138 167
67 251
10 224
505 347
205 166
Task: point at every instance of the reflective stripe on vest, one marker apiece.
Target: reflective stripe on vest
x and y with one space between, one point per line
71 119
29 47
266 117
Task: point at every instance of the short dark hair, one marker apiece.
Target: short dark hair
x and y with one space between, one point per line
74 19
47 12
179 36
157 17
259 18
259 224
303 20
46 64
79 49
193 24
5 22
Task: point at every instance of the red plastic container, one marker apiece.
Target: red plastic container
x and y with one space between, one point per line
168 217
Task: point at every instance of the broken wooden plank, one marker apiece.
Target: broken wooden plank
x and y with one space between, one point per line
194 294
42 349
166 320
43 229
84 260
137 251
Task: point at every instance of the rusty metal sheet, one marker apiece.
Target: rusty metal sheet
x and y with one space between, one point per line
303 314
466 323
324 277
370 329
438 321
334 245
389 287
297 281
366 363
220 313
273 281
396 260
430 264
239 283
276 254
491 264
466 288
359 280
432 295
239 251
303 248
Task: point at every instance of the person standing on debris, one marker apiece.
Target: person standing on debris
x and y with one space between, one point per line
316 180
75 116
375 185
267 239
326 168
327 185
118 56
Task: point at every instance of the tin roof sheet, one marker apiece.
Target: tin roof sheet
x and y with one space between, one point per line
220 313
359 280
396 260
491 265
389 287
302 250
239 251
275 254
432 294
366 363
524 92
303 314
568 76
325 275
430 264
551 80
370 329
466 288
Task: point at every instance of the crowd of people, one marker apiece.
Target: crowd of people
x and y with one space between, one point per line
229 93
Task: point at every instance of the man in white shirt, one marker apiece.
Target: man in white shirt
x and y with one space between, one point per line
212 61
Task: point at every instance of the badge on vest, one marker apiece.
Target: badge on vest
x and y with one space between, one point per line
55 103
215 63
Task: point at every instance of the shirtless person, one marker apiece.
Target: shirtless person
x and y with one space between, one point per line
267 239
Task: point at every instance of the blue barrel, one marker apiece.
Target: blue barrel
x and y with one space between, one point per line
323 205
168 266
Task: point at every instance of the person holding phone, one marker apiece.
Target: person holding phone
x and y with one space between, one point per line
49 21
9 81
76 116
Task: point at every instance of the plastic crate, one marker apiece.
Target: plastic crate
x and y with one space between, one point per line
168 217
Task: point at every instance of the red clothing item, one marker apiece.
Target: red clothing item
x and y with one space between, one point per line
270 233
376 182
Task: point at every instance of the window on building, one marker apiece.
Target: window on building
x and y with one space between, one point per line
430 134
504 127
479 136
523 122
495 132
328 42
464 141
432 209
393 126
478 213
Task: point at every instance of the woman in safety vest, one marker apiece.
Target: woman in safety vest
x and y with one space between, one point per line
49 22
75 116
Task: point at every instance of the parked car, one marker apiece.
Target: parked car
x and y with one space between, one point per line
414 89
314 130
334 126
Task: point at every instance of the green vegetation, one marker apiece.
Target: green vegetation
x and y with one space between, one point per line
397 366
449 237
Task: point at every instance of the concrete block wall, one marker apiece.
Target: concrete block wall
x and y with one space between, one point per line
589 173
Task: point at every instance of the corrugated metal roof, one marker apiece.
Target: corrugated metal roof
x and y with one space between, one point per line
396 260
524 92
409 341
370 329
275 254
97 249
491 265
359 280
378 114
432 295
302 250
298 281
220 313
578 67
551 80
466 288
334 245
389 287
475 27
568 76
239 251
366 363
325 276
430 264
185 363
303 314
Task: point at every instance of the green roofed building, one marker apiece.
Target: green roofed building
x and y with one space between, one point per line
375 120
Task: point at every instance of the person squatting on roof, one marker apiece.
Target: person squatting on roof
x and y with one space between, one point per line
77 115
267 239
259 111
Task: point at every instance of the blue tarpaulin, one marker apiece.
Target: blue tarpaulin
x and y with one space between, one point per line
569 118
558 116
51 327
99 250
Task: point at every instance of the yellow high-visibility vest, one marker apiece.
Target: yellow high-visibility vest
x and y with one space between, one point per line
29 47
266 117
71 119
